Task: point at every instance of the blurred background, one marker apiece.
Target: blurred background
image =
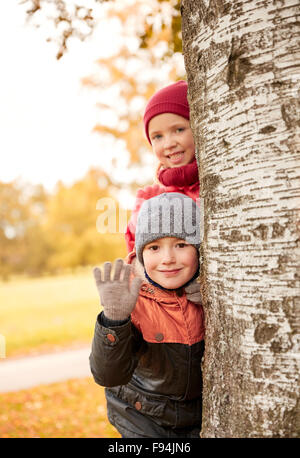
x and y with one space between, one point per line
74 83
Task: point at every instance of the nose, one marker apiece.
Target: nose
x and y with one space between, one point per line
168 256
170 141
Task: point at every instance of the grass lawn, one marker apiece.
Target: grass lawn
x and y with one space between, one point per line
42 315
48 313
72 409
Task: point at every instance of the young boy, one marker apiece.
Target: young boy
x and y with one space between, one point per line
149 339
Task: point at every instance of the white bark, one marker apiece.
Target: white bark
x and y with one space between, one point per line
243 67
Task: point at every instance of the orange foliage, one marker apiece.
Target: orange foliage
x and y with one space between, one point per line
72 409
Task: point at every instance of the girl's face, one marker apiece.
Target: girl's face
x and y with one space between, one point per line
172 139
170 262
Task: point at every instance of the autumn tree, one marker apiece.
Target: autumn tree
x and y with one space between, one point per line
22 207
37 249
12 215
71 224
242 63
47 233
77 19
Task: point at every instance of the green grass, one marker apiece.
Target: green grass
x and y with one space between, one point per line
48 313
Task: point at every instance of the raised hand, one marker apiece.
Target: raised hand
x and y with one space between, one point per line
118 297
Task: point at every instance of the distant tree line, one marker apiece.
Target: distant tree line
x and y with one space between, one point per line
43 232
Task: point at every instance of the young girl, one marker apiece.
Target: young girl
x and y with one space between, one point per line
148 341
167 128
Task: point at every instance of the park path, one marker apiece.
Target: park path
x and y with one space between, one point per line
21 373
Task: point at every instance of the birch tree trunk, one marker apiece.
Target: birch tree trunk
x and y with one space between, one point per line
242 63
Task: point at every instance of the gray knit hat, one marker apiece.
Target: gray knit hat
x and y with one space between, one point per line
170 214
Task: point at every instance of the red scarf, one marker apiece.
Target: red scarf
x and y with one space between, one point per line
179 176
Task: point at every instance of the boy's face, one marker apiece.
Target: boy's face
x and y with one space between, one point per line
170 262
172 139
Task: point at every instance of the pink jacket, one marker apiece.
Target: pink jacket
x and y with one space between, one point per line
180 179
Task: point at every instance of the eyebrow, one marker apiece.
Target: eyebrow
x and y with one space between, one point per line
176 124
155 242
176 240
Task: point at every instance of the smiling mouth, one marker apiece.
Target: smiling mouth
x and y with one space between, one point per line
175 155
168 273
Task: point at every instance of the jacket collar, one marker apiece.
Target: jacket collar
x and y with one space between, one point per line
161 296
185 175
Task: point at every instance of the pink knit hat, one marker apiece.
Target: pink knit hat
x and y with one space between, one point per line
170 99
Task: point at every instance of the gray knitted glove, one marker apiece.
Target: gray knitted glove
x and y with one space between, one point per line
193 292
117 297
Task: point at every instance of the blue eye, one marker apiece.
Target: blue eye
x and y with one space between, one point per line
156 137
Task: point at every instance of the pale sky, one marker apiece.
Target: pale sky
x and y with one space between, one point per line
46 116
